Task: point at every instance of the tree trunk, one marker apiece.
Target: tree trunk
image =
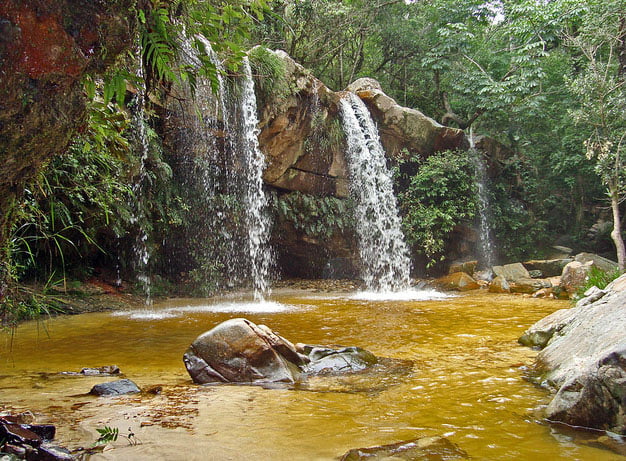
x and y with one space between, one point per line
616 234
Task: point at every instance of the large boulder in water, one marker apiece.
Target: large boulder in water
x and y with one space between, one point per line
584 360
238 351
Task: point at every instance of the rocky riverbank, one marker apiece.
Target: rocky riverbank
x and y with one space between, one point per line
583 359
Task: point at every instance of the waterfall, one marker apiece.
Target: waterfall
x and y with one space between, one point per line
384 254
487 256
138 205
221 170
255 201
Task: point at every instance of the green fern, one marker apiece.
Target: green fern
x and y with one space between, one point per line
107 435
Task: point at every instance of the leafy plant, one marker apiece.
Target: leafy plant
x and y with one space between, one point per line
597 278
107 435
318 217
110 434
270 72
436 198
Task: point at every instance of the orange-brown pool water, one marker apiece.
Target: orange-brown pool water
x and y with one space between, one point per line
466 382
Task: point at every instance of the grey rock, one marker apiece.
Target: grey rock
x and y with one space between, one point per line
511 272
123 386
584 359
591 296
347 359
601 263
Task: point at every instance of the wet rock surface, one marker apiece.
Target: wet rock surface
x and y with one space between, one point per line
584 360
239 351
427 448
21 440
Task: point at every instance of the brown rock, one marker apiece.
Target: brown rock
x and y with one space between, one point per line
499 285
405 128
459 281
574 276
240 351
463 266
529 286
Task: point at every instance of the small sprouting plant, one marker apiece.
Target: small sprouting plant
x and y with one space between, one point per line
110 434
107 435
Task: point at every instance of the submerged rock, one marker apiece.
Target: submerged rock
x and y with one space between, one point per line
584 360
347 359
238 351
427 448
123 386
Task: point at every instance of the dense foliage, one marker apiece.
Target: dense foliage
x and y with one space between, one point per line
437 197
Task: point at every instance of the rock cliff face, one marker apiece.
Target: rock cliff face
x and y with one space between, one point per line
303 141
294 136
293 129
45 49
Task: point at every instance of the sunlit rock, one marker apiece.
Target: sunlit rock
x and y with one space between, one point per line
499 285
240 351
463 266
574 275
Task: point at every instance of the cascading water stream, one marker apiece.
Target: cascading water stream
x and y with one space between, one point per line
255 201
138 206
218 141
384 254
487 256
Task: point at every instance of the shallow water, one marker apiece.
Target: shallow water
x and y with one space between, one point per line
466 382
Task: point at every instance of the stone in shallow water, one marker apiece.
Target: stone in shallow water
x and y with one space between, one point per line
123 386
347 359
426 448
238 351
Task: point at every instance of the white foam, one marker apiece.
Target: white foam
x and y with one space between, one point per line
250 307
405 295
145 314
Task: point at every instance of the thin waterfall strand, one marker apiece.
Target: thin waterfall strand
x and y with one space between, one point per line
138 206
255 200
384 254
487 254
